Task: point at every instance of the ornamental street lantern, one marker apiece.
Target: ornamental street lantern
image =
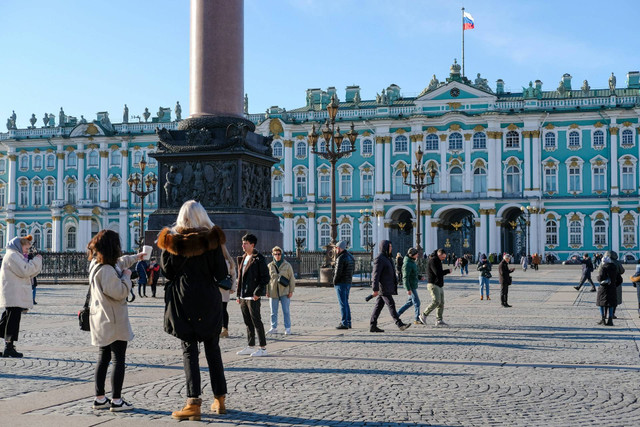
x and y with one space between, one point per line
419 173
137 188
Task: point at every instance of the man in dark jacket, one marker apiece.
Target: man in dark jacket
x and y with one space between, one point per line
435 284
385 285
141 269
587 269
342 279
253 278
505 279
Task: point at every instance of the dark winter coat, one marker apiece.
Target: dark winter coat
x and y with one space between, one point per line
587 266
484 267
192 261
505 273
607 294
435 273
343 272
141 269
384 278
409 274
254 278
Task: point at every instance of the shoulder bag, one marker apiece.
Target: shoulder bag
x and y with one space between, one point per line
83 315
282 281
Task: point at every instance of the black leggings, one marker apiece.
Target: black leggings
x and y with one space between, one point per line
10 323
225 315
119 350
190 358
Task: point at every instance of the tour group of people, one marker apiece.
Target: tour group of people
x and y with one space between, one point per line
203 278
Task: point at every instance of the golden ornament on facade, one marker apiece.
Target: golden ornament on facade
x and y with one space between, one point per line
324 220
454 127
301 221
124 153
613 130
535 133
478 128
615 209
13 157
600 215
387 139
467 136
443 137
454 105
512 126
275 127
598 125
81 155
288 143
526 133
575 217
311 214
431 129
288 214
628 217
366 133
627 124
400 131
379 139
574 126
104 154
549 126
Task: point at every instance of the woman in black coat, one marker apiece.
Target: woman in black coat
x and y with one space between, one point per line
607 298
192 261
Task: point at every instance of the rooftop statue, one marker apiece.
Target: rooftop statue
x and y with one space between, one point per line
160 113
146 114
612 83
433 83
383 97
125 114
82 120
33 120
585 86
481 83
561 89
62 118
356 98
177 110
11 121
45 120
529 92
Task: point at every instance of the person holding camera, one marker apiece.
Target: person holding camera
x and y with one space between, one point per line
484 267
15 290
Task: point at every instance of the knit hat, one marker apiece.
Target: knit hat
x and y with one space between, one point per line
412 252
342 244
483 257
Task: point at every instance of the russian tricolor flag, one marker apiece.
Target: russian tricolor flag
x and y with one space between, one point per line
467 21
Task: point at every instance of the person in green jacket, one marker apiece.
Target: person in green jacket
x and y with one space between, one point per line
410 283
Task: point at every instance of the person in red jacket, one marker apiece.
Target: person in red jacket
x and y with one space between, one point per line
153 273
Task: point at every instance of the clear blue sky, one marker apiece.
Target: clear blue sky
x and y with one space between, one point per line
90 56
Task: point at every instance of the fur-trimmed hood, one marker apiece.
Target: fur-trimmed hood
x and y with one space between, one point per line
191 242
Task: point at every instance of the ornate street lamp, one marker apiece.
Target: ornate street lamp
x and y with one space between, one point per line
136 187
419 173
333 139
527 211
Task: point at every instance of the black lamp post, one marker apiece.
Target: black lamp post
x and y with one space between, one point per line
137 188
419 172
333 139
527 213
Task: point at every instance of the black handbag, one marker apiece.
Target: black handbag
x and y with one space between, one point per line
225 283
83 319
282 281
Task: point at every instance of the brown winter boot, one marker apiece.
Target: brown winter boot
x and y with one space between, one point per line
224 333
190 412
218 405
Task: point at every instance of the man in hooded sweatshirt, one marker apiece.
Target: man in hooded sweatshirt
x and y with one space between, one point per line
385 285
435 284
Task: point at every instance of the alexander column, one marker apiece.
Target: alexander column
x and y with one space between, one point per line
215 157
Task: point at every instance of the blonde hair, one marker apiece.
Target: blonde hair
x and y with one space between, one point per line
192 215
232 264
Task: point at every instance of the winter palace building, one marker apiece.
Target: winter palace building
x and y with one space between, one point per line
538 171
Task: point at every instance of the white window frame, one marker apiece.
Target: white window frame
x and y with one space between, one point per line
324 180
553 147
593 139
96 191
431 138
301 182
301 150
397 182
68 234
627 131
551 232
481 176
37 158
460 175
481 136
324 234
629 232
550 174
92 155
345 232
24 158
575 231
604 166
277 149
67 193
366 147
277 183
68 163
35 192
365 233
23 193
576 132
370 180
450 141
507 175
346 184
302 234
405 141
633 173
46 162
604 233
3 165
510 135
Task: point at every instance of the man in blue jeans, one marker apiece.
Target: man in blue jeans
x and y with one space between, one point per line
410 283
342 279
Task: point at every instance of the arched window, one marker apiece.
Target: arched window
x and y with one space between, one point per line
345 184
71 238
325 235
115 192
346 146
627 137
72 160
599 233
301 233
479 141
551 179
598 139
398 183
277 149
116 158
2 197
401 145
367 234
628 233
48 241
51 161
277 186
37 193
512 184
345 233
575 233
301 186
367 184
575 179
93 159
455 141
599 178
301 149
627 174
455 175
574 139
24 193
137 156
322 146
92 192
367 147
23 232
3 166
552 233
37 162
49 191
24 162
37 239
480 180
72 191
513 139
549 140
431 142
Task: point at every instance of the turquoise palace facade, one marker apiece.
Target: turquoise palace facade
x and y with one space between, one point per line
567 156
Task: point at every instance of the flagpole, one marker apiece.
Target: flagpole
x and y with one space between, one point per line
463 42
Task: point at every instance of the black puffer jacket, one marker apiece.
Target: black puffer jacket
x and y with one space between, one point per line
435 273
607 294
384 274
192 260
345 264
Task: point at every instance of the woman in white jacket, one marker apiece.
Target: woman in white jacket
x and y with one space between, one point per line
110 283
15 290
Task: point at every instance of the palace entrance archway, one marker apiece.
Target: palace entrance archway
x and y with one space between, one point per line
513 233
457 232
401 231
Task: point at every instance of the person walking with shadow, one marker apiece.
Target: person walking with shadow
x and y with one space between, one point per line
587 269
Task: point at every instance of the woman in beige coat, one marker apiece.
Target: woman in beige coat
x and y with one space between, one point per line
279 294
15 290
110 284
233 272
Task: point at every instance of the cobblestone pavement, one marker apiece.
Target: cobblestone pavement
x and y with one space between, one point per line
544 361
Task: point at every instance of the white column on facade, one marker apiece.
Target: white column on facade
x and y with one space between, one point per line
468 174
494 229
56 230
444 180
482 237
124 185
11 185
378 168
536 159
81 169
534 231
491 163
84 228
526 146
288 172
311 230
104 174
615 229
613 161
123 228
387 168
311 187
499 178
11 227
430 238
60 178
385 230
287 238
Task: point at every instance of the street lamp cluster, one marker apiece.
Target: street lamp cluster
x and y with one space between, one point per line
527 211
137 188
419 183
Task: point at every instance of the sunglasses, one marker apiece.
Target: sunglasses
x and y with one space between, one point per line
277 253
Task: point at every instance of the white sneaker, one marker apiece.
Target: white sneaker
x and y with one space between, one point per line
441 323
259 352
423 318
287 331
247 351
272 331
